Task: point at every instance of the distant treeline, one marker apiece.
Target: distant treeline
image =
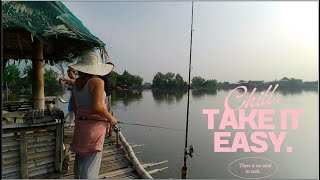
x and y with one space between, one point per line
13 79
175 81
284 83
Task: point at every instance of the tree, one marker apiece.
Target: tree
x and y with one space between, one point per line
50 79
112 77
126 80
168 81
159 80
197 82
26 78
11 76
212 84
241 81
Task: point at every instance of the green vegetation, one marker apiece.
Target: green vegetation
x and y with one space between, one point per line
11 76
168 81
51 79
198 82
26 81
125 81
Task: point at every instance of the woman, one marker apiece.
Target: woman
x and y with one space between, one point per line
92 116
70 81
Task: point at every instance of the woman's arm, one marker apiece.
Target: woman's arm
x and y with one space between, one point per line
96 88
69 81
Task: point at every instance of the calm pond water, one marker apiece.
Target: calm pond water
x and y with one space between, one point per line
168 109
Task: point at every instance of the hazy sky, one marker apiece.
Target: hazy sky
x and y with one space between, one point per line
231 40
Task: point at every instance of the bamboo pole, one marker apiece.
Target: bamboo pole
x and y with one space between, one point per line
113 151
23 155
10 137
10 148
10 144
122 176
40 155
37 162
43 170
43 166
137 145
157 170
12 176
109 175
104 168
11 169
149 165
131 177
11 161
37 75
106 164
112 167
41 144
41 133
40 139
10 154
12 128
41 149
134 160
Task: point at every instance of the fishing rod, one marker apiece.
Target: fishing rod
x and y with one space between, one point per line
151 126
63 101
184 169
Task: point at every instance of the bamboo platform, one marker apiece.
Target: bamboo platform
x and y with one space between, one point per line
118 160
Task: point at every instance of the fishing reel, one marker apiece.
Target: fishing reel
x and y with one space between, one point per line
116 128
189 151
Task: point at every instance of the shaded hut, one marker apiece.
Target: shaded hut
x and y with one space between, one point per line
44 32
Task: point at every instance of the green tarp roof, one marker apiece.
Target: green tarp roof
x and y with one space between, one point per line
63 34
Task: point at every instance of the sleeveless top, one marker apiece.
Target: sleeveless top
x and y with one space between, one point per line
90 128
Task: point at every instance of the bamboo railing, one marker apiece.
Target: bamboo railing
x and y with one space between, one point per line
33 150
134 160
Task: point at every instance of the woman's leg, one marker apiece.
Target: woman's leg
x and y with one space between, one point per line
91 166
77 167
71 117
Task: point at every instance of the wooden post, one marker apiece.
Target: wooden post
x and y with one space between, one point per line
7 91
58 153
37 75
23 155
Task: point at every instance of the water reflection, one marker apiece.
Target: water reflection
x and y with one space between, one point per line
294 91
126 97
198 93
168 97
26 95
282 91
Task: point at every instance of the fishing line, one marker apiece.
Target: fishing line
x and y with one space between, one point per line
150 126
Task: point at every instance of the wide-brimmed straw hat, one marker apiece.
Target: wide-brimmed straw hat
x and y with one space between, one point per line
91 64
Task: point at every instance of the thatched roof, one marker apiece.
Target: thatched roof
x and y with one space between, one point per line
63 35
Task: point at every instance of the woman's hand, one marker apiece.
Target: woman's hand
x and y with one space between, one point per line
113 121
61 80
